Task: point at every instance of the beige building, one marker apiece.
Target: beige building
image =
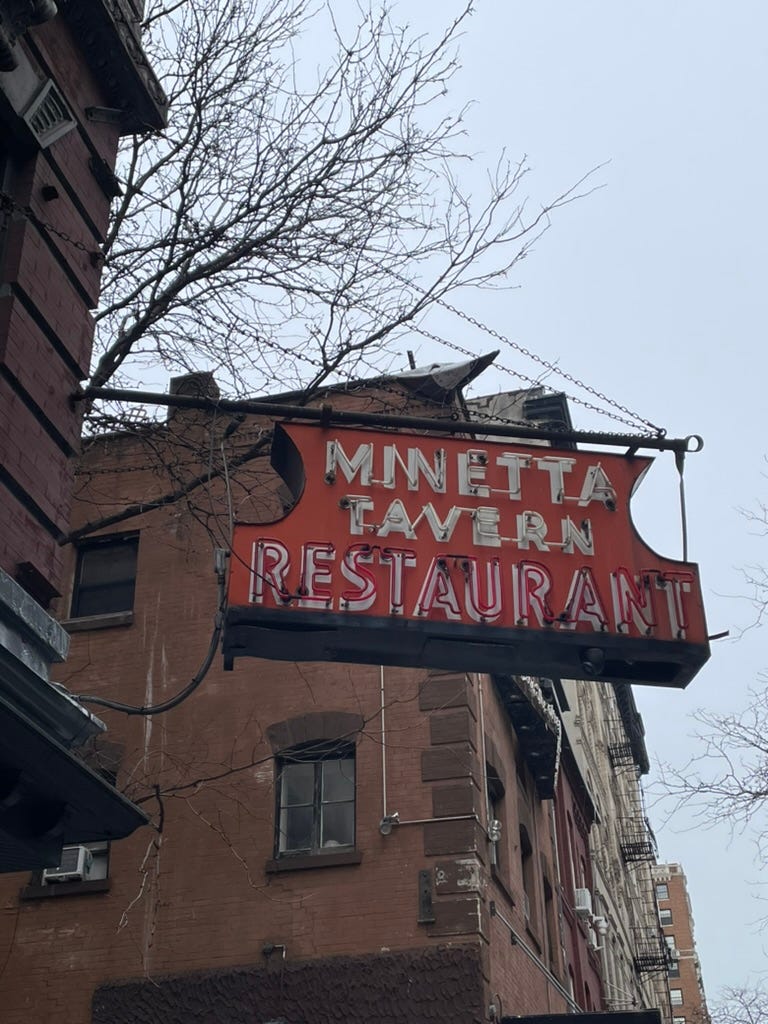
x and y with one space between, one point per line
606 734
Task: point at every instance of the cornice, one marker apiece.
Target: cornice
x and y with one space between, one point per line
109 34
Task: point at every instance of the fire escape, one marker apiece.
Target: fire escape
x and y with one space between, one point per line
637 843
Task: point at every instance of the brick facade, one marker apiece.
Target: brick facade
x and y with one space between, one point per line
188 911
55 205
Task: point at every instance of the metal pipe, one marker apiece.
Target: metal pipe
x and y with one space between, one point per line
520 941
383 750
327 415
431 821
487 802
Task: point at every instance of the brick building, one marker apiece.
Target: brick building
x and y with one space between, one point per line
349 841
686 988
72 80
393 844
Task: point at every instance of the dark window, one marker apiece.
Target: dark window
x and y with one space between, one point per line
665 916
496 818
105 579
316 800
550 926
529 877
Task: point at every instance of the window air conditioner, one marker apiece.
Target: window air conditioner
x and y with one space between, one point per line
583 904
73 866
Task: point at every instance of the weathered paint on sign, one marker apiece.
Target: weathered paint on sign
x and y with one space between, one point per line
447 552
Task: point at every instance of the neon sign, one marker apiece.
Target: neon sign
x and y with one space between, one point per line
447 552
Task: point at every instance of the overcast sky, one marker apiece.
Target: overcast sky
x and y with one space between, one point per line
651 290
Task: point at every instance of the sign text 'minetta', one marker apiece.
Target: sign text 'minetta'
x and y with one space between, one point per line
462 532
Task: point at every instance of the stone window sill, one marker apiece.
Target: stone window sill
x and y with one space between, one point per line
108 621
314 860
43 892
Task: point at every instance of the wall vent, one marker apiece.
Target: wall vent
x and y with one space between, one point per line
48 116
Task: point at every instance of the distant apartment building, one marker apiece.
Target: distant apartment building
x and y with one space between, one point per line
686 987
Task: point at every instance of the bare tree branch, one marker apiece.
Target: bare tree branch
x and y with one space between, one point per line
295 217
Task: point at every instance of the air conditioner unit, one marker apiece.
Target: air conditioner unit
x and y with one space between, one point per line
583 904
73 867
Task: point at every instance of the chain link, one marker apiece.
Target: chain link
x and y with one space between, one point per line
9 205
553 368
534 383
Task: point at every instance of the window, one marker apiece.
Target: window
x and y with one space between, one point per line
495 790
676 996
674 957
678 1020
665 916
105 579
316 800
662 891
529 876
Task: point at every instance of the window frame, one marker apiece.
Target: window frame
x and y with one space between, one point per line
79 591
316 754
676 997
662 887
665 912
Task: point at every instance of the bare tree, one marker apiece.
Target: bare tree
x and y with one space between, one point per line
748 1005
298 211
727 780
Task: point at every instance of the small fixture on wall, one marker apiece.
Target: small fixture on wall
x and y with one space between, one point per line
388 822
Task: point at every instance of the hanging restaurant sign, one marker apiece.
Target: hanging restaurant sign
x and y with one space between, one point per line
444 552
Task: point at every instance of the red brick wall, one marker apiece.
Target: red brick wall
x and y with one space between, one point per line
199 895
47 287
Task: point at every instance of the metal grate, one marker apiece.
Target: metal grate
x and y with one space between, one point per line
620 755
651 953
48 116
635 842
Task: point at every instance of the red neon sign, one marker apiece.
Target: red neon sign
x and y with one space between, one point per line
444 552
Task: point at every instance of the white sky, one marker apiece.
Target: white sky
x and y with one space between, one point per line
650 291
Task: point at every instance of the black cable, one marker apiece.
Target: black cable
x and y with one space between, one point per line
189 689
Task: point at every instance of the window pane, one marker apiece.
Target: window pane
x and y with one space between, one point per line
662 892
297 784
106 578
338 780
111 597
295 828
338 825
107 563
676 996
